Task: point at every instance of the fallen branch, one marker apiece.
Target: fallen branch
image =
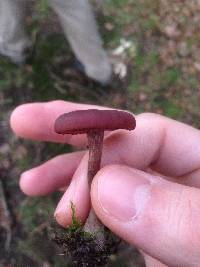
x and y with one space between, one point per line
5 217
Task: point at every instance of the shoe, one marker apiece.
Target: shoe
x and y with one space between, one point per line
99 74
17 57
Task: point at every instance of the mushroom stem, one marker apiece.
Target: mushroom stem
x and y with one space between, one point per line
95 144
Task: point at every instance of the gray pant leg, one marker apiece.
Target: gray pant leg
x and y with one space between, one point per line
79 24
13 40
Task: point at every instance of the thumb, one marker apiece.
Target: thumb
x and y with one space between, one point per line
159 217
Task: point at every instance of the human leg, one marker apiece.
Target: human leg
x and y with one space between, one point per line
79 25
13 40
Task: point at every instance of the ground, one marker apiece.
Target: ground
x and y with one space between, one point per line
163 77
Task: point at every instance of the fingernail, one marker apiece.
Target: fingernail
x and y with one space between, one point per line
65 204
123 192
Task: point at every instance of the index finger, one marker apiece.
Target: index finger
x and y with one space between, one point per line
36 121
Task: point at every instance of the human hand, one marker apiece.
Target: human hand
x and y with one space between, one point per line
147 191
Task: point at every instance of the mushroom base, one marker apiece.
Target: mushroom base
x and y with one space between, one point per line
87 247
83 248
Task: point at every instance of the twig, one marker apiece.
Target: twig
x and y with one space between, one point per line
5 217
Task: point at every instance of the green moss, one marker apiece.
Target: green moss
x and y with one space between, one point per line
34 211
152 23
170 76
76 224
171 109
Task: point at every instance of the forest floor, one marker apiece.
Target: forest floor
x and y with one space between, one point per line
163 62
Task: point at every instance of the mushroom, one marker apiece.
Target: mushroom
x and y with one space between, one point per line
94 122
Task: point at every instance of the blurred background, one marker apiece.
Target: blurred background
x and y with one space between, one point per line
158 41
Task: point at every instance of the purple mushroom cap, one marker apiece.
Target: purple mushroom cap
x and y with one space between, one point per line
84 121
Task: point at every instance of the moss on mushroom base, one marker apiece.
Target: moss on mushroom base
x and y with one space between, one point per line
82 247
